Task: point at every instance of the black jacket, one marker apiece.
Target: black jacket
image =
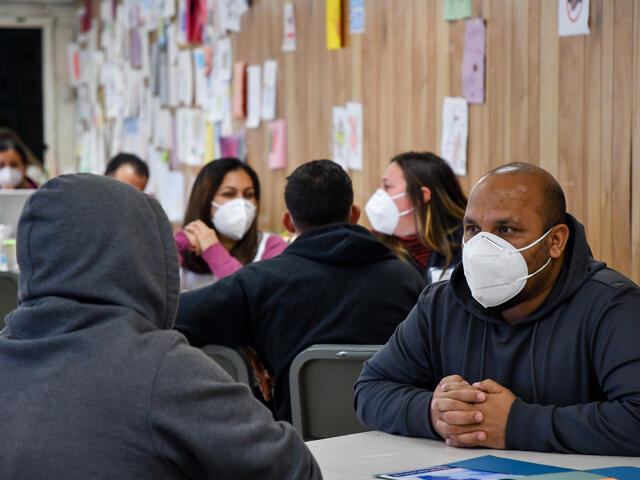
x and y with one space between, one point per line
334 284
574 363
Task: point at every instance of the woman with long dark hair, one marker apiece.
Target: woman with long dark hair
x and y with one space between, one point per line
418 212
220 231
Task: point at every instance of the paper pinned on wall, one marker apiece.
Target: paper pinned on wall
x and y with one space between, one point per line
278 145
234 146
457 9
182 22
269 89
239 90
169 8
473 61
185 78
339 136
171 35
73 60
356 16
455 128
334 24
254 95
174 198
573 17
288 28
223 60
209 141
196 20
201 84
354 138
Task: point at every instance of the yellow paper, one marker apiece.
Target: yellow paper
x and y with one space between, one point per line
334 24
208 149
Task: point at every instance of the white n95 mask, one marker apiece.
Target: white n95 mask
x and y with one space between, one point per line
10 176
383 212
495 270
233 219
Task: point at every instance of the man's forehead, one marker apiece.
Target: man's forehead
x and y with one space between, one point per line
504 196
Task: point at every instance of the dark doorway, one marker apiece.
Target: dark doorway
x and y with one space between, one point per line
21 85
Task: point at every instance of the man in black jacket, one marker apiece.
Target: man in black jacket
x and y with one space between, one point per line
532 344
336 283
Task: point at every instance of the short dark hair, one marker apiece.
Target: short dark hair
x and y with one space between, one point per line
318 193
553 208
139 165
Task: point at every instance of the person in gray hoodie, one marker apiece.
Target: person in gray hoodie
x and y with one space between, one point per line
94 382
532 344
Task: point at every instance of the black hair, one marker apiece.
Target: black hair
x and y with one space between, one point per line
318 193
7 142
139 165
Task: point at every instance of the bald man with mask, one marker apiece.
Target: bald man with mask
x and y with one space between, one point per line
532 344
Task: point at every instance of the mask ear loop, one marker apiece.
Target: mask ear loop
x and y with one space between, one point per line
529 246
537 241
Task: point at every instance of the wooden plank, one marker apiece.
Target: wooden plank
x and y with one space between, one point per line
622 94
635 149
496 81
549 87
593 126
518 120
533 83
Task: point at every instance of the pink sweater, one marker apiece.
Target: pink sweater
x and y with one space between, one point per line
220 260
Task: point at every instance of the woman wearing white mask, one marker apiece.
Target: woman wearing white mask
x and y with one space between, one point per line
13 164
418 212
220 232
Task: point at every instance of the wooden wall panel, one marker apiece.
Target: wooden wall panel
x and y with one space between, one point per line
569 105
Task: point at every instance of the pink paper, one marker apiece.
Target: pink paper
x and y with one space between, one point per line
239 90
278 144
234 146
473 62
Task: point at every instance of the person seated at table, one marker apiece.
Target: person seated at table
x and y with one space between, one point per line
418 212
220 232
336 283
13 163
532 344
129 168
94 382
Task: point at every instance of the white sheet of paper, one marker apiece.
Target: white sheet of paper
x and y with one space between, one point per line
223 59
269 89
174 197
200 76
455 128
254 94
339 136
185 78
169 9
354 138
288 28
573 17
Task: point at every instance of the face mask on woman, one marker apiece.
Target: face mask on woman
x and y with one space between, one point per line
10 176
233 218
383 212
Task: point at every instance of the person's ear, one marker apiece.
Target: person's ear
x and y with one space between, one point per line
287 221
426 194
354 215
559 236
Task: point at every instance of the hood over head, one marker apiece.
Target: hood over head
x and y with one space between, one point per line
96 241
341 243
578 265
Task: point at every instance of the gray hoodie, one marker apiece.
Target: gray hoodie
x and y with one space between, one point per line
93 383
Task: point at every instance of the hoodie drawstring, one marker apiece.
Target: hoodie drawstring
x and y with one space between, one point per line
482 351
531 360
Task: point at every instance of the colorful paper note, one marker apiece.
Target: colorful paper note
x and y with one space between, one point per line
354 139
234 146
269 83
455 127
573 17
73 60
334 24
254 95
278 145
239 90
356 16
289 28
473 61
196 20
200 76
457 9
339 137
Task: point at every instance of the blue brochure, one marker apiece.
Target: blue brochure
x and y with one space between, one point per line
491 463
620 473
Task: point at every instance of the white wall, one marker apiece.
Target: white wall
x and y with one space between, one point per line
57 22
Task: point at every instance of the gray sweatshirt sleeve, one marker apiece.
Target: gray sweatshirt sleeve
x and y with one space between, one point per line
204 425
394 391
607 427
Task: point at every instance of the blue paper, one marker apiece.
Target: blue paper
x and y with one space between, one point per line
491 463
620 473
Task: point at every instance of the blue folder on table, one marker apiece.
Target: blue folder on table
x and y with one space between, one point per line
491 463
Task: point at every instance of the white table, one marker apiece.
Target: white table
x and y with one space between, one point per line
362 455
